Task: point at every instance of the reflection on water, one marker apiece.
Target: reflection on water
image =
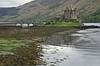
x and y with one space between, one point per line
81 48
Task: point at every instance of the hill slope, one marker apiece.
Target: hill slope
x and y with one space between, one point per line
94 17
43 9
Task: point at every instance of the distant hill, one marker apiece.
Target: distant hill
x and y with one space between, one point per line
8 11
40 10
93 17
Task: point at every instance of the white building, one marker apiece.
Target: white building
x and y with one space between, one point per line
25 25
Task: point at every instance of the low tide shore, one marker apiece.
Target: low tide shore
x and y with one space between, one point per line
18 45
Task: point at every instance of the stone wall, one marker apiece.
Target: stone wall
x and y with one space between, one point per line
71 13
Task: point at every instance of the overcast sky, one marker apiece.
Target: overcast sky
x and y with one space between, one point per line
12 3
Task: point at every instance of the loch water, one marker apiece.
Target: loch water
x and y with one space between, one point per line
79 48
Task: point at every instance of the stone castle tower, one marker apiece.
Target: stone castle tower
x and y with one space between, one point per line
71 13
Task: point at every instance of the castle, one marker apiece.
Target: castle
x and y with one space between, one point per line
70 13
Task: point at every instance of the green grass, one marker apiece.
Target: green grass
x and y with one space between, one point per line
9 45
69 23
65 24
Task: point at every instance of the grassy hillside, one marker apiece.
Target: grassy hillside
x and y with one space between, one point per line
8 11
94 17
40 10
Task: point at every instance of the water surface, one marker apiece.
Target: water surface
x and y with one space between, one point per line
80 48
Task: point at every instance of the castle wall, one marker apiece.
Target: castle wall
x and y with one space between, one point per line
70 13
